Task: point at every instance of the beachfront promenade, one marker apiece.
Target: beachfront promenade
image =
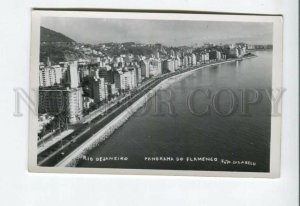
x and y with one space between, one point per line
89 134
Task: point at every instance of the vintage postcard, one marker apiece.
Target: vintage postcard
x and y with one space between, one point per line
156 93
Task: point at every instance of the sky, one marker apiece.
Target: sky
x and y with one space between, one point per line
170 33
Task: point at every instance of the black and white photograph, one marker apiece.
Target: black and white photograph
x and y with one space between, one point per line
149 103
156 93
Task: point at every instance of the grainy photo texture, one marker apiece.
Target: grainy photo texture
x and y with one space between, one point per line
154 93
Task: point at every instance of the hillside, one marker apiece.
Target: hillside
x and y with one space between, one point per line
58 53
50 36
57 47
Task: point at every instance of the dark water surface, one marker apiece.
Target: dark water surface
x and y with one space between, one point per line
235 137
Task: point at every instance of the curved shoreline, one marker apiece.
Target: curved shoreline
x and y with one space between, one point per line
71 160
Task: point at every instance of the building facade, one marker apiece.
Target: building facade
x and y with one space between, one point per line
145 68
50 76
61 101
169 65
99 90
73 75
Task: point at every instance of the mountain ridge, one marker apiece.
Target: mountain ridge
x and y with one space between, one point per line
51 36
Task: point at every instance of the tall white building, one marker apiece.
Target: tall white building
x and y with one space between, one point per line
205 58
125 79
132 74
169 65
194 60
73 75
219 55
50 75
155 67
74 104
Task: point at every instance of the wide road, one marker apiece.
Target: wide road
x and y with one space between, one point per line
58 151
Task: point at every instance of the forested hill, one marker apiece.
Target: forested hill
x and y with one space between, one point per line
57 47
50 36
